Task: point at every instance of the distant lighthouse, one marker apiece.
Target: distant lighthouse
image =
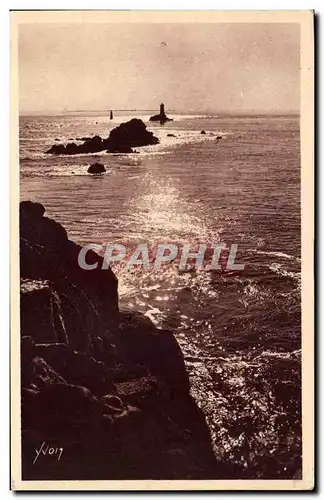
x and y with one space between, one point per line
161 117
111 115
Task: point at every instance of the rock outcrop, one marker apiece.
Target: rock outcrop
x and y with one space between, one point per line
161 117
121 140
96 168
49 265
130 134
104 386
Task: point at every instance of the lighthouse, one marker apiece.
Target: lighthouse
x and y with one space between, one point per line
162 113
161 117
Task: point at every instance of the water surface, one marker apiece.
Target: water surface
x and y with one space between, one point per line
239 331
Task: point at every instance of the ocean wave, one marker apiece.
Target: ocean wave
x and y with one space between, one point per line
166 145
43 139
32 156
279 254
283 356
281 271
185 137
60 171
204 117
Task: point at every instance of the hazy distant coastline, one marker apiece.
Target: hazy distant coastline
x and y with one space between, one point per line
105 112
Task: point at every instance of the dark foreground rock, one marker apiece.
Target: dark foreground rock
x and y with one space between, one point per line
121 140
69 301
161 117
96 168
104 393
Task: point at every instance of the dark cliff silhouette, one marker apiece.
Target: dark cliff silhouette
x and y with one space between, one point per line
104 385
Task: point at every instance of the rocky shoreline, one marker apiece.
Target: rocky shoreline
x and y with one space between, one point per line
102 385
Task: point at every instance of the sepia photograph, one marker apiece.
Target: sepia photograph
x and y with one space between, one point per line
162 250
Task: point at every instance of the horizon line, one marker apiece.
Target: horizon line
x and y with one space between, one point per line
63 112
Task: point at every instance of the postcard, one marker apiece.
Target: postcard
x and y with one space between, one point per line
162 233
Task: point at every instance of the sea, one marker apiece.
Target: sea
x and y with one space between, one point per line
239 330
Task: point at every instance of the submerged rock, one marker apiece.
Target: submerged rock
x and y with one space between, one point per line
96 168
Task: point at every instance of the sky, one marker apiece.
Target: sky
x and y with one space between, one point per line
190 67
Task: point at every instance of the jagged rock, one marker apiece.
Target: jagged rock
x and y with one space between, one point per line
115 392
90 145
130 134
77 367
140 343
113 404
37 295
32 209
203 132
121 140
93 145
38 374
60 149
86 299
68 401
27 347
96 168
161 117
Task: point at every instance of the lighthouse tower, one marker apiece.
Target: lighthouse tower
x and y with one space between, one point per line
161 117
162 113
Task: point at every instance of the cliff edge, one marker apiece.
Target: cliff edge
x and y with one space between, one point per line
104 394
